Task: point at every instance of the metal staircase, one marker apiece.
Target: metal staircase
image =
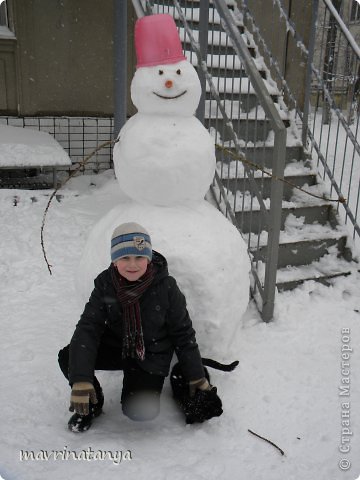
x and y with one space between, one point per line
312 241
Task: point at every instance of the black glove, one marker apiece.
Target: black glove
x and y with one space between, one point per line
204 405
199 405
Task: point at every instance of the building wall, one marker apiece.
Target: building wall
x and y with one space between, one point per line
61 59
345 70
273 28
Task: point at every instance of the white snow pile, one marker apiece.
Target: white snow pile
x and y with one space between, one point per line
205 253
165 162
297 384
25 147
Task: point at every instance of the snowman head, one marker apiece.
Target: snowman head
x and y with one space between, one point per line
165 82
169 89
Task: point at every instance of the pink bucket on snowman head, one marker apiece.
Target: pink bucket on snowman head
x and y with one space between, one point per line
157 41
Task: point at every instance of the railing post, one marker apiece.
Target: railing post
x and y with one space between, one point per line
203 42
274 226
120 65
307 100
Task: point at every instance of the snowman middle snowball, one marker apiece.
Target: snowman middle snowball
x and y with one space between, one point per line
165 156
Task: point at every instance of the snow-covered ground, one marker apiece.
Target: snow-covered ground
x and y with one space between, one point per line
287 387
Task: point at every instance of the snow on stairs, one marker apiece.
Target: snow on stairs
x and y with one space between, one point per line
313 244
310 228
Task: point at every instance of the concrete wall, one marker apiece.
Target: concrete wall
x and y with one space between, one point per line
61 59
8 75
61 62
8 70
291 61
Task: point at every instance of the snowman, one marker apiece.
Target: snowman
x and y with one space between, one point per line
165 155
164 164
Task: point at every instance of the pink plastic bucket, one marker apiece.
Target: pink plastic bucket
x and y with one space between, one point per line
157 41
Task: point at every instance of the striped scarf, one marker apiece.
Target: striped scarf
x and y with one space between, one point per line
129 293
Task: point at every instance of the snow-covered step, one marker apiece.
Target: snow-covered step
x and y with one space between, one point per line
305 251
263 182
225 65
219 43
323 270
215 38
236 85
192 14
248 128
264 155
233 109
227 62
192 3
237 169
255 222
295 229
237 110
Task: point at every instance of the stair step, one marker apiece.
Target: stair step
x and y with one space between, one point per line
215 39
328 267
192 15
263 155
221 47
300 276
238 115
238 97
224 65
246 102
247 129
255 222
264 184
304 252
193 3
239 85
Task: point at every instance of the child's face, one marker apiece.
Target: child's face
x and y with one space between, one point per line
132 268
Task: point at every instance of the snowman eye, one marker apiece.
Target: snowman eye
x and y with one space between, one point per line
161 72
178 71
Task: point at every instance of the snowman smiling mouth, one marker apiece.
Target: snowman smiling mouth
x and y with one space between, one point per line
170 98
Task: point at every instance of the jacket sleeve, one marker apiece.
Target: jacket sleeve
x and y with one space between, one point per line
182 334
86 338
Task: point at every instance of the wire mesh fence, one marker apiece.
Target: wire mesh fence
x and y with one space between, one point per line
79 136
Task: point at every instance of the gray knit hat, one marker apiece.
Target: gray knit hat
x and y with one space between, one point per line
130 239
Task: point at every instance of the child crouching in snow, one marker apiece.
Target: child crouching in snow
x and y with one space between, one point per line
135 319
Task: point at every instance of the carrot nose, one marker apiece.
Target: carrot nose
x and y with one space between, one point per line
168 83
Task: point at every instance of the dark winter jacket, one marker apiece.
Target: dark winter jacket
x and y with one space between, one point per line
165 322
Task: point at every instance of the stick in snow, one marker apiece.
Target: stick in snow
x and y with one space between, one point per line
266 440
58 197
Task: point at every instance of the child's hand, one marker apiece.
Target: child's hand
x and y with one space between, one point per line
81 393
201 384
205 404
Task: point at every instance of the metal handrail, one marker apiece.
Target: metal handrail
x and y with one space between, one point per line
203 67
274 224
